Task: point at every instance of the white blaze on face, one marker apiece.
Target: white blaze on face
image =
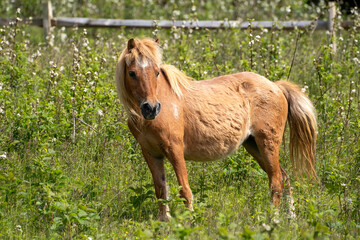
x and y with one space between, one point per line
143 63
176 112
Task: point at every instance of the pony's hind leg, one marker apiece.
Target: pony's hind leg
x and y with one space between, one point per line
266 152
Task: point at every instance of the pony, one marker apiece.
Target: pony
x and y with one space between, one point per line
172 116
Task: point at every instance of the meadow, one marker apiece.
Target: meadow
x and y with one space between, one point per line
70 169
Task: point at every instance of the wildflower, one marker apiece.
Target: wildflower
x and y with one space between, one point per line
4 156
349 201
63 37
356 60
288 9
352 91
1 86
341 39
257 38
266 226
100 112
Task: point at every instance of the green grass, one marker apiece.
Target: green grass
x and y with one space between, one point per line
69 167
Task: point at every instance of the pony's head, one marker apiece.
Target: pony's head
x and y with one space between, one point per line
137 72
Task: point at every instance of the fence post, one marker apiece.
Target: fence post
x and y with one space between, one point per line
331 22
47 16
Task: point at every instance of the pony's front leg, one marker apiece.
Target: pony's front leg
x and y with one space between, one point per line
175 154
156 166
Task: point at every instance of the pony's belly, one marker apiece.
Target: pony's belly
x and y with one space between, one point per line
210 152
213 140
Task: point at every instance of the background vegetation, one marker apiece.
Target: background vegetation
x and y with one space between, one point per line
69 168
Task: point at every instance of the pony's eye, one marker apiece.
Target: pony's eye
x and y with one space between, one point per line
132 74
157 74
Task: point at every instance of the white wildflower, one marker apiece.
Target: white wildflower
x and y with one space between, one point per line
288 9
341 39
4 156
266 226
63 37
100 112
356 60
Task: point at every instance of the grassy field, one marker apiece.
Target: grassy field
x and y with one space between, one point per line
70 169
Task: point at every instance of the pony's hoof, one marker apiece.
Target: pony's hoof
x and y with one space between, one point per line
165 217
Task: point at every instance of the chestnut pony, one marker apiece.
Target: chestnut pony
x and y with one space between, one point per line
172 116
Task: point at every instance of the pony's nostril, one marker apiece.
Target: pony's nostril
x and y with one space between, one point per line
146 107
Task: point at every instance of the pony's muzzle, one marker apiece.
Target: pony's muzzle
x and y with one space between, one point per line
150 111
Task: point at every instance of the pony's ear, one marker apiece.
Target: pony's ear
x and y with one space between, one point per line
131 44
157 41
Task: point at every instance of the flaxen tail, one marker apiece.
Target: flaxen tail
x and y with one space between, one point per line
303 128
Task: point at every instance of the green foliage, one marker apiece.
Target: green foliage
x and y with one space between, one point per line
69 167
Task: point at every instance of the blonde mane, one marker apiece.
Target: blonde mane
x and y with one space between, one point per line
150 50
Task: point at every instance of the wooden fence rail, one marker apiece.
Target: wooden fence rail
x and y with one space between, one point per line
48 21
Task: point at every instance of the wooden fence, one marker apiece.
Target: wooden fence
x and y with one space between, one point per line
47 21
